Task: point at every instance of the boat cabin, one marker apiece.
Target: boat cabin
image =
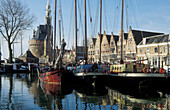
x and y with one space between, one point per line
129 67
90 68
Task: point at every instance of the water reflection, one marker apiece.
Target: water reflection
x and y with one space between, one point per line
22 91
139 98
92 98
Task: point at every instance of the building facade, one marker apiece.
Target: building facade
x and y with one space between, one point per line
91 50
154 50
132 48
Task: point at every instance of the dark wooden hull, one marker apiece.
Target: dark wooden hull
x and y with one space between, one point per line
128 80
91 80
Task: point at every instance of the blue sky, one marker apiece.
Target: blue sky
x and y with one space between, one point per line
147 15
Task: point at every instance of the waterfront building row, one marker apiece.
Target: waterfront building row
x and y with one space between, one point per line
137 45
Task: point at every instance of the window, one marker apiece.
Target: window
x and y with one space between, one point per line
133 54
133 47
149 59
111 43
89 52
147 50
112 49
168 62
165 49
156 49
91 46
141 51
97 51
155 61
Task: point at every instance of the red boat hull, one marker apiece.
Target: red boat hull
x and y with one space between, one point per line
53 77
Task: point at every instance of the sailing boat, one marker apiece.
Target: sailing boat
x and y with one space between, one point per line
54 73
134 74
93 74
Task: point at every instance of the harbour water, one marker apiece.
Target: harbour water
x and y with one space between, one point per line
21 92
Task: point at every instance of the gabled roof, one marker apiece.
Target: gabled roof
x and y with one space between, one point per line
28 54
108 38
116 38
138 35
94 40
125 35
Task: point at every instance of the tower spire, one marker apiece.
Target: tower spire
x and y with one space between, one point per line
48 14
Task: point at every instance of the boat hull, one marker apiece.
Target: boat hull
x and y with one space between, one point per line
138 80
53 77
91 79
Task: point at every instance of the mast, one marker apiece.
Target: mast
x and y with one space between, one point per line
76 31
60 30
121 60
48 24
59 26
100 29
85 32
55 14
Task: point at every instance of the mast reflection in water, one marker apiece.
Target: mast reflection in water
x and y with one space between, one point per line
20 91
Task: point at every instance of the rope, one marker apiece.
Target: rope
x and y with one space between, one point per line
105 15
117 11
96 18
61 18
134 14
81 24
89 7
138 16
69 33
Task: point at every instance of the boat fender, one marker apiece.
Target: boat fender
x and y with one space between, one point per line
145 70
161 70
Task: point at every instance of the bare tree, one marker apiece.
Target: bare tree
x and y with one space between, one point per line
14 17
